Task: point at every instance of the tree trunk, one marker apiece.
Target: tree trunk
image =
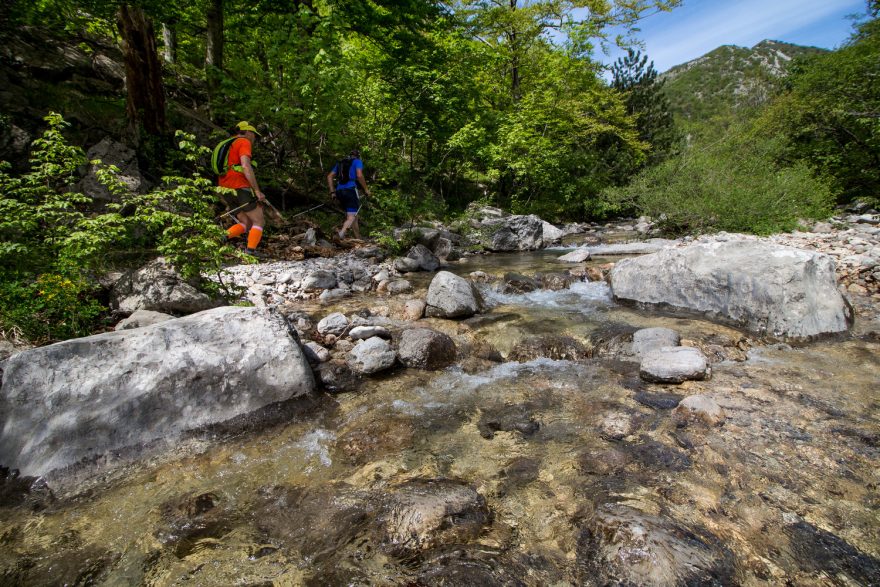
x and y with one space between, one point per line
169 38
214 45
145 99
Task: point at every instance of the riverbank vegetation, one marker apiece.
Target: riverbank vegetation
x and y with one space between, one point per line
450 103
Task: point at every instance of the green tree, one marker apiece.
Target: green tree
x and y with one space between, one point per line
831 114
637 79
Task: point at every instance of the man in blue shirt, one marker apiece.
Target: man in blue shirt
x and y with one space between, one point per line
348 173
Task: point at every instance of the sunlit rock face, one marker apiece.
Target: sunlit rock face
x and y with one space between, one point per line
768 289
81 398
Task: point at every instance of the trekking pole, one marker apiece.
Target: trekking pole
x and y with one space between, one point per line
307 211
230 212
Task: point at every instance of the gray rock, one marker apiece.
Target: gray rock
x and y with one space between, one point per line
320 279
514 233
334 324
700 408
769 289
332 295
427 260
624 546
406 265
423 348
337 376
451 296
398 286
414 309
124 389
649 246
616 426
364 332
674 365
648 339
576 256
516 283
158 287
424 514
310 238
141 318
315 353
550 234
443 248
109 152
371 356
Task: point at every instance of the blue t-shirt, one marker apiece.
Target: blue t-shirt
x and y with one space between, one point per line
352 174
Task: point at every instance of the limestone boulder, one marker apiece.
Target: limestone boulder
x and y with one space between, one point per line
426 259
514 233
371 356
674 365
141 318
110 152
769 289
424 348
81 398
649 339
158 287
452 296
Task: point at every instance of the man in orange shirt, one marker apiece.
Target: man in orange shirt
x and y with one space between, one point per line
248 197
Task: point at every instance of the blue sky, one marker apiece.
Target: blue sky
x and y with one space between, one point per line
698 26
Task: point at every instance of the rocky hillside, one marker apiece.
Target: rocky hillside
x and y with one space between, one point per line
729 78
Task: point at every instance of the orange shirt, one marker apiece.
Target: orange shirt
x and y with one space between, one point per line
241 147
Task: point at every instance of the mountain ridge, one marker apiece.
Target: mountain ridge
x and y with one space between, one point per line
729 78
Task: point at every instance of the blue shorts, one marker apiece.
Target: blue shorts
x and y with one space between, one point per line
348 198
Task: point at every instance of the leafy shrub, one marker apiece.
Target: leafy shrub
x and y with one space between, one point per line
734 185
55 242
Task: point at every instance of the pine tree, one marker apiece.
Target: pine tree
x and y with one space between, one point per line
637 79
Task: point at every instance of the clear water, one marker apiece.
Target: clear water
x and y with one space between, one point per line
799 446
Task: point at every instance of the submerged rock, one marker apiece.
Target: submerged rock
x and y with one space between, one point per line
769 289
427 513
818 550
511 418
316 523
674 365
624 546
552 346
699 407
127 388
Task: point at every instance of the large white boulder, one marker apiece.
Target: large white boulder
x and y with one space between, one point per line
85 397
452 296
769 289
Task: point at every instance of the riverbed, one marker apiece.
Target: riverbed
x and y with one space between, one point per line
571 462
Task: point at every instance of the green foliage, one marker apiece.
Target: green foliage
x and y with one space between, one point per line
733 185
55 241
831 115
644 97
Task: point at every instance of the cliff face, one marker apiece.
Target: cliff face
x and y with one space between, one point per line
83 81
729 78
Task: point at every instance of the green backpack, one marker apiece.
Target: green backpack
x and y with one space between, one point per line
220 158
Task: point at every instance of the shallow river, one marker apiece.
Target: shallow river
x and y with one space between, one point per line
577 471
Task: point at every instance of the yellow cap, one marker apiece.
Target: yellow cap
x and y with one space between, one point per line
245 125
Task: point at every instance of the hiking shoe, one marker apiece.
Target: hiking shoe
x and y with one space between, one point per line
254 253
341 235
